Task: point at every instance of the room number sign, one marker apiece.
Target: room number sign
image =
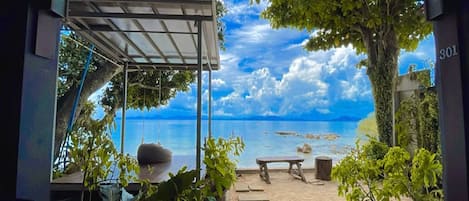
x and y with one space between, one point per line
448 52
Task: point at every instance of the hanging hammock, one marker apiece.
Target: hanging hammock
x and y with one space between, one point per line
151 153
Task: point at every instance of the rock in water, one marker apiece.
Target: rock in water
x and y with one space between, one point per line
312 136
331 136
153 153
299 149
286 132
306 148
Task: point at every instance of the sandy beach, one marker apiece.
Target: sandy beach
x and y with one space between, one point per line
285 187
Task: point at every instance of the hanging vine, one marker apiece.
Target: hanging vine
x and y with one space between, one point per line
407 124
417 116
429 132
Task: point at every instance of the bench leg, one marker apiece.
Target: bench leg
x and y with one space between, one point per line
264 173
290 167
300 172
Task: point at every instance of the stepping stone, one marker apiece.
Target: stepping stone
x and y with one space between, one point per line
253 197
254 187
319 183
241 187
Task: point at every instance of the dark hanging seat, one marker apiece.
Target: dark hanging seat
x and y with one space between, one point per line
153 153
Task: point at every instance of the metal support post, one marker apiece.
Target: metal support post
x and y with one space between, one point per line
199 97
124 107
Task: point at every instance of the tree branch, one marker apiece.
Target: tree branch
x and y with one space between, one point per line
371 48
94 81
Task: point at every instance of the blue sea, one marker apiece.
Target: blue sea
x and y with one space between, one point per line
260 138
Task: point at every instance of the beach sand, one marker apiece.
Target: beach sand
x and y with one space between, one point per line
285 187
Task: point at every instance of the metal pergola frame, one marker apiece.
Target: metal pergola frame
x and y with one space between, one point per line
144 35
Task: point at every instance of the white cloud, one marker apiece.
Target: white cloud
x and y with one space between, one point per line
344 57
264 72
242 12
323 111
312 82
257 45
220 112
303 86
349 91
297 45
217 83
254 34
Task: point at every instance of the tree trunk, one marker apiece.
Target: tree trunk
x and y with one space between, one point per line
382 71
93 82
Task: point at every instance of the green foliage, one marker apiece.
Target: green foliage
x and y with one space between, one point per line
343 22
374 149
407 121
417 117
221 11
181 186
93 152
220 169
424 77
361 176
220 174
144 90
72 58
357 175
426 172
429 130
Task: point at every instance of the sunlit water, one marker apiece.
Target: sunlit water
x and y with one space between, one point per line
259 136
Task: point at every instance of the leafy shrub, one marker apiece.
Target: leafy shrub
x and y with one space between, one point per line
93 153
374 149
407 124
417 116
220 174
220 169
361 177
181 186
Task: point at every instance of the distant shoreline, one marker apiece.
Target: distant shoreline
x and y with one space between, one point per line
240 119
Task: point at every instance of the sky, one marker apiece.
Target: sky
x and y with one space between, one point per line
266 72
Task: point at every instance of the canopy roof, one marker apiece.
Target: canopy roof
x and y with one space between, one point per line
149 34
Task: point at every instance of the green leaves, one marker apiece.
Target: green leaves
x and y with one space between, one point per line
339 18
363 176
220 169
94 153
426 169
178 187
417 117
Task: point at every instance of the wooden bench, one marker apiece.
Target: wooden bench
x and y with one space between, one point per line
292 160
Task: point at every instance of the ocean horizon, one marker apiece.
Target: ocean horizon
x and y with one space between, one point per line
247 118
260 137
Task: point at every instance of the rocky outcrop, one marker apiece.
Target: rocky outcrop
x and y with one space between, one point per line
330 137
287 133
312 136
306 148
